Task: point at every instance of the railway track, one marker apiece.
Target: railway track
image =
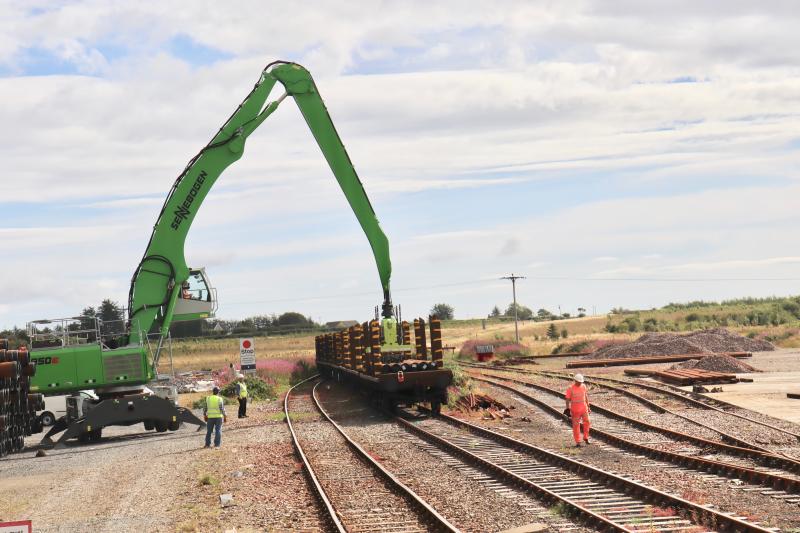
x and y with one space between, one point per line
695 415
355 492
602 499
710 439
781 440
618 432
698 401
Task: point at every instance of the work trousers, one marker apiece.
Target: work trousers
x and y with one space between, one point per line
215 425
242 407
577 418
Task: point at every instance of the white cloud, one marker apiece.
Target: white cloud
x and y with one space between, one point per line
444 100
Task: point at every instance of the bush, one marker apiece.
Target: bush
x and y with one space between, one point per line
581 346
501 348
257 389
564 333
552 332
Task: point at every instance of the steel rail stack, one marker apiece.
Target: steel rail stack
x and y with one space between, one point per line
17 405
603 500
362 356
343 519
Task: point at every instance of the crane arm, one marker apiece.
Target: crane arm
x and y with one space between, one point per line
157 280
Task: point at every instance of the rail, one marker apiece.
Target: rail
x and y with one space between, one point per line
790 485
320 492
434 520
762 456
691 399
595 495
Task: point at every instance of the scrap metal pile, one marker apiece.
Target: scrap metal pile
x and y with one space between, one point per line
17 405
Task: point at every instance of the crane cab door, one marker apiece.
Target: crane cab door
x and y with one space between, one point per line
197 299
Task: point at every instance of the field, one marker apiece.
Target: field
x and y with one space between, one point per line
774 319
213 354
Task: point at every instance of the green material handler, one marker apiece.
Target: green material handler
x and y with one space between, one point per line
118 361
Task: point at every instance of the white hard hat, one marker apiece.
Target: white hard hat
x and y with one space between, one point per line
239 376
578 378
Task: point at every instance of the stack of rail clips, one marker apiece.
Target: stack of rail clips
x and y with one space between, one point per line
17 405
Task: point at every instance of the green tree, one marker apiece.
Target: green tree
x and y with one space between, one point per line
552 332
443 311
110 313
291 318
544 314
87 317
523 313
495 312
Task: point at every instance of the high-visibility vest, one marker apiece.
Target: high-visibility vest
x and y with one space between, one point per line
213 406
576 394
242 390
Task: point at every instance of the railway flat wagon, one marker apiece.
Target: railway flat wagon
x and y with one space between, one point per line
380 359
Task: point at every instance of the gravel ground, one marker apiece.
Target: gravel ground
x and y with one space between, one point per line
751 432
359 495
716 363
629 407
468 505
546 432
257 466
69 489
729 408
704 341
651 439
136 481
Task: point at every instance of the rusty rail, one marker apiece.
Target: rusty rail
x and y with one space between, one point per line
331 514
645 360
757 453
695 512
707 465
436 521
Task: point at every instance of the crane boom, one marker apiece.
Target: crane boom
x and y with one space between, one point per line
156 283
117 366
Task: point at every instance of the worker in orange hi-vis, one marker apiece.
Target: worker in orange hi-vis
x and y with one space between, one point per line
577 398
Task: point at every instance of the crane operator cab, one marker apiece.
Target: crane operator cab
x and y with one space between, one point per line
197 298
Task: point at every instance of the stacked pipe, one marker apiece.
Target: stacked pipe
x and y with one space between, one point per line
17 405
359 348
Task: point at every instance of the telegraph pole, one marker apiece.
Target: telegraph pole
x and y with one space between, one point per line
514 279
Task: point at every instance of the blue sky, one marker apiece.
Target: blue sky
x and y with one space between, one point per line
615 153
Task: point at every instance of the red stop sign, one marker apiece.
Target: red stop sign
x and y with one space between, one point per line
246 344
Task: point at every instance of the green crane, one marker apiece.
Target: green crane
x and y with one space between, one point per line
164 289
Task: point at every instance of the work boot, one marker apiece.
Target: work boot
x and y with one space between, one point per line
577 444
586 441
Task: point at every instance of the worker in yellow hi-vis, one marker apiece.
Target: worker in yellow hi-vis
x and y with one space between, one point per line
214 415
